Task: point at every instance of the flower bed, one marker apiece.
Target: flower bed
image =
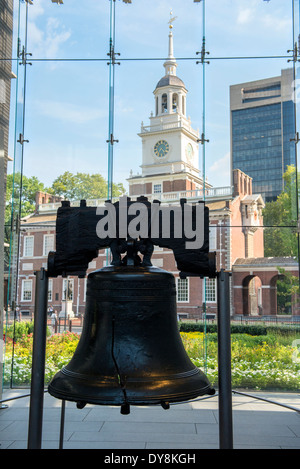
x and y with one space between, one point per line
258 362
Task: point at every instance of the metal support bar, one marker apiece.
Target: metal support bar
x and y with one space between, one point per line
224 362
270 401
62 424
38 361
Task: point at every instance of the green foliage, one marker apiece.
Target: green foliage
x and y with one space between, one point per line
257 362
25 186
258 329
267 361
18 330
83 186
280 220
287 290
71 186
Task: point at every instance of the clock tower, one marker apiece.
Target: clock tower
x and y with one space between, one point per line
170 146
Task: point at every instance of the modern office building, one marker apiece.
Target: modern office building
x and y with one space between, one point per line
262 126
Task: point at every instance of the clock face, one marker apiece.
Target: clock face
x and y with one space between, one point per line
161 148
189 151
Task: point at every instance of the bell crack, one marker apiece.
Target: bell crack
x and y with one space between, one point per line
125 407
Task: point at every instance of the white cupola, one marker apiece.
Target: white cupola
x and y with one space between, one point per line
170 92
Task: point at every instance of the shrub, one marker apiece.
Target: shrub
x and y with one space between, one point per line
235 328
257 362
20 329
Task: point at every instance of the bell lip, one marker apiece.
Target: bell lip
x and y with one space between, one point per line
111 393
131 399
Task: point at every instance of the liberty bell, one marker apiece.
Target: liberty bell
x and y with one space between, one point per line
130 351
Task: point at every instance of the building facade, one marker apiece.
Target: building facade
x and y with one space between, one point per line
169 173
262 126
235 232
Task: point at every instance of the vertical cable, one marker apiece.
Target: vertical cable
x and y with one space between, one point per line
17 204
203 167
111 92
295 54
110 139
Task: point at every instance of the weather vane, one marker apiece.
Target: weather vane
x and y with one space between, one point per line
172 18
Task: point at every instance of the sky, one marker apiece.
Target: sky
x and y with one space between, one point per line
67 85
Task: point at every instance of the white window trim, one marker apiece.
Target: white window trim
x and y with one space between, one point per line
204 292
44 244
188 290
26 238
23 290
157 184
50 289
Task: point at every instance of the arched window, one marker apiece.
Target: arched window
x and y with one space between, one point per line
175 102
164 103
183 105
156 106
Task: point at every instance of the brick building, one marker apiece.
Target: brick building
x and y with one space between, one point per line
235 233
170 172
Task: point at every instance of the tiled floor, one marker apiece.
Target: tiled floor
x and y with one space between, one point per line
256 424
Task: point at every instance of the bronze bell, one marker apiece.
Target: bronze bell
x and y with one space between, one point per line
130 351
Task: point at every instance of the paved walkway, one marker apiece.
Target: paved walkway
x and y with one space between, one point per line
256 424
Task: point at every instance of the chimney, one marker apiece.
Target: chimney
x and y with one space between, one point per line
45 198
242 183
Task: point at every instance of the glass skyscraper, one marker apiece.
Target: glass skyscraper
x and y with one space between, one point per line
262 126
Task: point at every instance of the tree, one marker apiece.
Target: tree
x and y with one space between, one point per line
27 186
20 197
280 220
287 291
83 186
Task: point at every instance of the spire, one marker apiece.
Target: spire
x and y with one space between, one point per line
170 64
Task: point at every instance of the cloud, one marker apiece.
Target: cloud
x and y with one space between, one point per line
245 16
68 112
219 171
255 14
48 42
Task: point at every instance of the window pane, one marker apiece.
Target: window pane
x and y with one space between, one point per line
182 290
27 290
48 244
28 246
210 290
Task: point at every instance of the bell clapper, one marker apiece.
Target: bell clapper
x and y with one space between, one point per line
165 405
80 404
125 409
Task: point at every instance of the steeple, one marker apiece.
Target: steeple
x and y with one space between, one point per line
170 91
170 146
170 64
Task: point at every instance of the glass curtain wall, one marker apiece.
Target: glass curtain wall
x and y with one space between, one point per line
127 97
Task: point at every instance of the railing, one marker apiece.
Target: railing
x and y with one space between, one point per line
168 126
211 193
